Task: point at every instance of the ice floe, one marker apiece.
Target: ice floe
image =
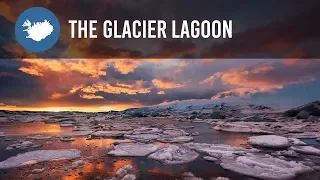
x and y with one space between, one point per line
173 154
239 128
269 141
142 137
108 134
218 150
180 139
175 132
190 176
23 145
264 167
33 157
2 134
124 171
133 149
129 177
74 134
306 150
38 137
295 141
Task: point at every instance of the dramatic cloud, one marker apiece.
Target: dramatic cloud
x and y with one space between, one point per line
165 83
38 67
118 88
264 77
93 84
90 96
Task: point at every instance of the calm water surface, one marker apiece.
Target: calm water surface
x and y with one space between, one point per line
105 166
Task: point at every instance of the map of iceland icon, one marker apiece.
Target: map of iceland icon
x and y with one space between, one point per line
37 29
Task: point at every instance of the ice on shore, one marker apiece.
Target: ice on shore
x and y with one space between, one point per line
264 167
306 150
174 155
269 141
133 149
33 157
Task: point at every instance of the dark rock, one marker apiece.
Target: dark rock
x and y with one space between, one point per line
303 115
312 108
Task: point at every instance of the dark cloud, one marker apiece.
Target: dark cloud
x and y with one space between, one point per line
261 28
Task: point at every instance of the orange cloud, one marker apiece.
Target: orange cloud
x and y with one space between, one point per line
166 84
5 106
91 67
161 92
260 78
118 88
90 96
125 66
57 95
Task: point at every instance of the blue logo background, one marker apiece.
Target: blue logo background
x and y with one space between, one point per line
37 14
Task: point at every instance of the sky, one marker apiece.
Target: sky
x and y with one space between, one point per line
102 85
273 57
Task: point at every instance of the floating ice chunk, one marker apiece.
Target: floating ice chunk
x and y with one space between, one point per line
74 134
108 134
174 155
33 157
77 164
124 171
133 149
209 158
295 141
145 130
66 125
264 167
175 132
129 177
239 128
269 141
305 135
2 134
217 150
67 139
190 176
39 137
180 139
37 171
142 137
306 150
221 178
23 145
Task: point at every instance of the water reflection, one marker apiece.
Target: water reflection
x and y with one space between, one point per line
24 129
101 165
